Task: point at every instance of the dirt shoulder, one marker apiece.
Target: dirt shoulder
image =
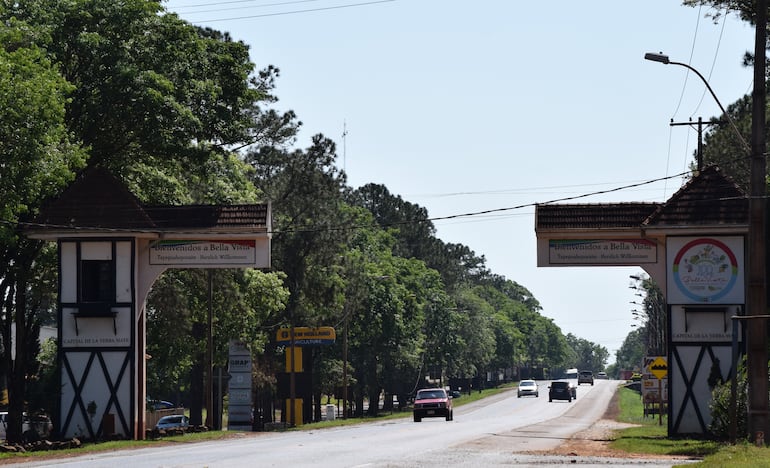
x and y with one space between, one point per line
595 441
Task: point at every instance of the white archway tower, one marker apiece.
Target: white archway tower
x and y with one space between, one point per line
111 251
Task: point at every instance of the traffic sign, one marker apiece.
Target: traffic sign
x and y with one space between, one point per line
659 367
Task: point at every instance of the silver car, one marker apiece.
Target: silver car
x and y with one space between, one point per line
173 421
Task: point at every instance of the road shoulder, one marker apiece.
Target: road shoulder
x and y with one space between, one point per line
595 441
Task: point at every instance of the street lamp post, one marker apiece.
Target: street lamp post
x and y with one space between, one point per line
756 291
759 419
662 58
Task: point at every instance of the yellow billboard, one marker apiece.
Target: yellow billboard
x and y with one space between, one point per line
305 336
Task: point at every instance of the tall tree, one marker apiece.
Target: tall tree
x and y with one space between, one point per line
407 221
630 355
305 190
589 356
159 102
39 156
149 87
411 225
385 301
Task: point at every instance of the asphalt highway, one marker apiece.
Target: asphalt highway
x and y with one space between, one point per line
497 431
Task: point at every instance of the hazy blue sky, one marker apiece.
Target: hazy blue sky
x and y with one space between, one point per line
466 106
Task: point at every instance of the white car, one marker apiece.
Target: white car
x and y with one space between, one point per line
528 387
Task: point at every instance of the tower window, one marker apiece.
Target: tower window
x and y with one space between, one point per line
97 281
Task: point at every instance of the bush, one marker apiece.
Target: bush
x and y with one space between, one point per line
720 406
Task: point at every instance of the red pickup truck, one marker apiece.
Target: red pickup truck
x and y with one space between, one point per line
432 403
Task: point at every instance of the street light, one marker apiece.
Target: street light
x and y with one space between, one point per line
662 58
653 314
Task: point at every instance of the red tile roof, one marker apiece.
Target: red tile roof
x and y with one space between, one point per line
710 198
592 216
97 199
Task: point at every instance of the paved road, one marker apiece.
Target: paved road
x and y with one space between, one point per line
492 432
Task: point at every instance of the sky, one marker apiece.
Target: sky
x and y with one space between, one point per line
467 106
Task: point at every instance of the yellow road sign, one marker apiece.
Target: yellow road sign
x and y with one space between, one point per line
659 368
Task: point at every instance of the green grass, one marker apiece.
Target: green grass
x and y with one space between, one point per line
741 455
651 438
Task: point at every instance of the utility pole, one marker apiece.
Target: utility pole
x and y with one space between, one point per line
699 153
345 368
210 354
758 421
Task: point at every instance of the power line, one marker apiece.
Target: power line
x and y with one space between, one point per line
293 12
245 1
264 5
351 227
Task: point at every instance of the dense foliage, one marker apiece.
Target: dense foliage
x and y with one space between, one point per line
181 115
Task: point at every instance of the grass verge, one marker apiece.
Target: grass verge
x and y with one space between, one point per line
648 437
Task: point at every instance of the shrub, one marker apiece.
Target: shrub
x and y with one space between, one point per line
720 406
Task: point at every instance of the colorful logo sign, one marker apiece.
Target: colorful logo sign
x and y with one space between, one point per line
705 270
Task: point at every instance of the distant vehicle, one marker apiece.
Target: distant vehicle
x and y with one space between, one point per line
155 405
174 421
528 387
571 374
601 375
586 376
432 403
561 390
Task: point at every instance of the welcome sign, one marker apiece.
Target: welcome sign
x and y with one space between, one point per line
206 253
601 252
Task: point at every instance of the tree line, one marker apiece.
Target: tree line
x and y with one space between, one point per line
181 115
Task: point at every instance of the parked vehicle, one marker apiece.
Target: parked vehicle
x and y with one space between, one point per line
154 405
39 422
174 421
432 403
586 376
561 390
528 387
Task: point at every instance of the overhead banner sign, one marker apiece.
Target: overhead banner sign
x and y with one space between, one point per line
705 270
207 253
611 252
304 336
